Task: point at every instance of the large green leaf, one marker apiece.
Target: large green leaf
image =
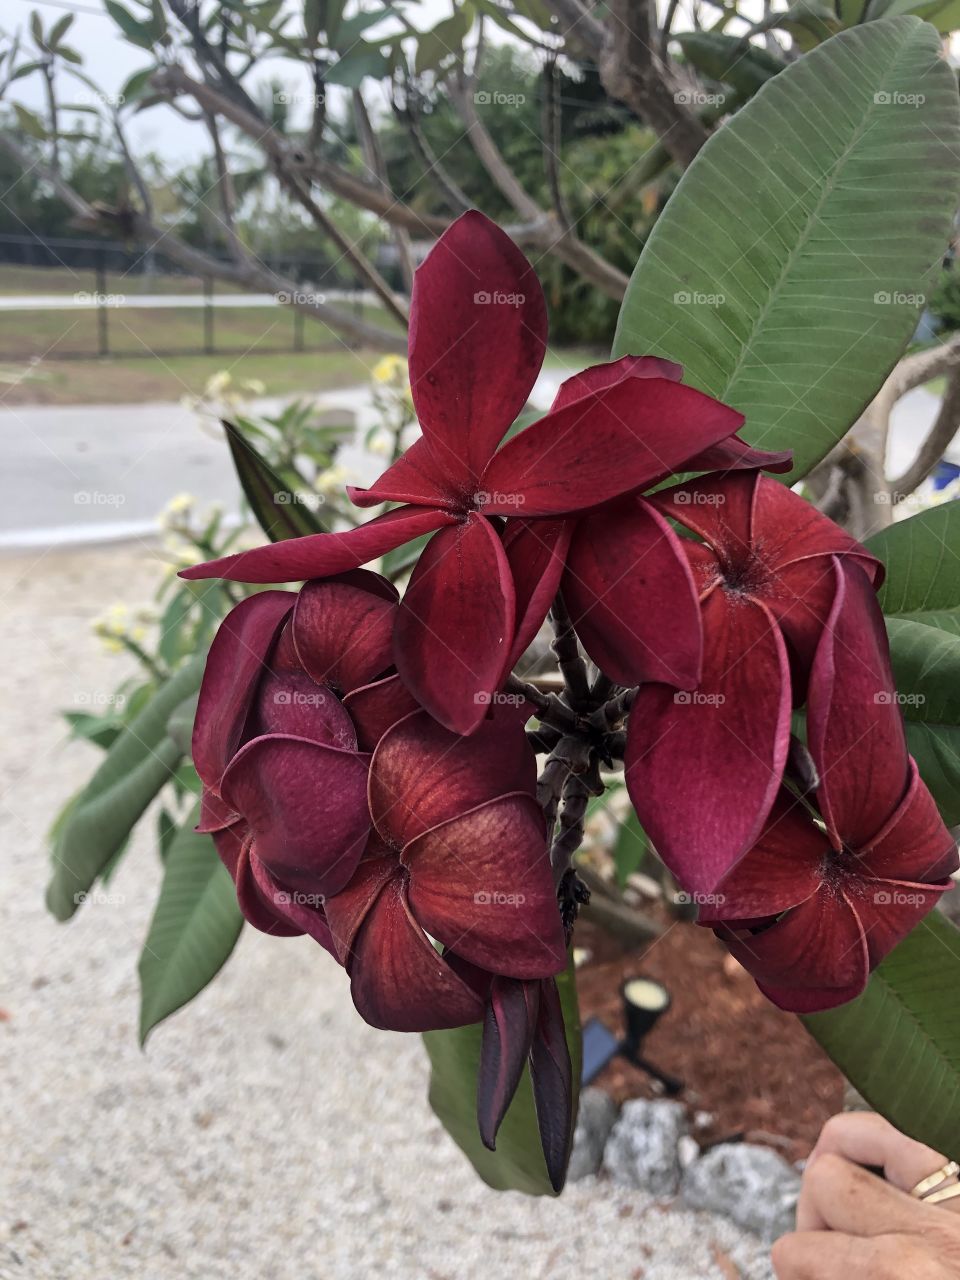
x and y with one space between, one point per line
194 927
141 759
279 511
786 271
926 667
899 1043
517 1164
922 558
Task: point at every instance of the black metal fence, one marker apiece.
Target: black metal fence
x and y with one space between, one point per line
119 301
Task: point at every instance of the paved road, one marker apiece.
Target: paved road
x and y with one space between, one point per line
90 473
99 472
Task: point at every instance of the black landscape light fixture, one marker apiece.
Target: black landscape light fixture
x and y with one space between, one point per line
645 1001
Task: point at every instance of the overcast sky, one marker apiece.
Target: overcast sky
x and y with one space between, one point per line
109 60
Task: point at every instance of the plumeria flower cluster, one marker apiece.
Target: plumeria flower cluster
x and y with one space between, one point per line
368 775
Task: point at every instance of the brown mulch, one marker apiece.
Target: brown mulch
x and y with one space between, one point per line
750 1066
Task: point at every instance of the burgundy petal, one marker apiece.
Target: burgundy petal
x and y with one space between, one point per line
914 844
456 623
854 726
890 909
600 376
632 597
343 634
235 663
478 328
399 981
306 808
482 884
603 445
790 528
375 708
296 706
298 911
703 768
814 958
734 454
719 508
782 869
347 910
509 1021
214 814
551 1072
800 597
422 774
536 550
416 477
319 555
233 846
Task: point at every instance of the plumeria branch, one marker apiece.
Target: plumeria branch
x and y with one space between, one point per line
248 271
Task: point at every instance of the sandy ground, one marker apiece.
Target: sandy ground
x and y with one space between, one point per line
266 1131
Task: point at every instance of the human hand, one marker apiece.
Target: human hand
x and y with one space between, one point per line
853 1225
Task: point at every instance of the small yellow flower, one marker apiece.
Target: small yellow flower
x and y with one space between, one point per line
390 369
332 479
217 384
253 387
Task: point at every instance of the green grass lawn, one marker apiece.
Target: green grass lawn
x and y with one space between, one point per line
50 357
63 280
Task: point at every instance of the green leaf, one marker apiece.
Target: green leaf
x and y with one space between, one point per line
899 1043
766 273
194 928
922 557
517 1164
631 849
312 21
25 69
136 85
349 31
60 29
139 762
100 730
395 564
444 41
138 33
353 68
926 668
279 512
166 831
30 122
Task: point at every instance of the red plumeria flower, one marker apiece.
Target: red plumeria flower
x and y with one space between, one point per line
703 767
458 854
295 695
477 341
626 582
816 905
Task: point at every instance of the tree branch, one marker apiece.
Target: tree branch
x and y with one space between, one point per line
632 71
945 427
250 272
289 156
373 158
550 236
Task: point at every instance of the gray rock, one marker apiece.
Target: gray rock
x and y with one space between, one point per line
750 1184
595 1119
642 1149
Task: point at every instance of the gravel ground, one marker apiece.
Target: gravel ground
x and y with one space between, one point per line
266 1131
